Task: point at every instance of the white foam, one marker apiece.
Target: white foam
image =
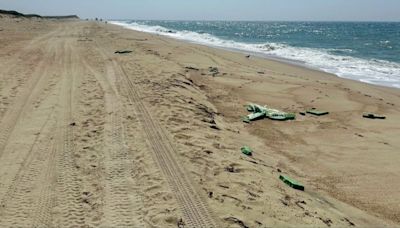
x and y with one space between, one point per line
370 71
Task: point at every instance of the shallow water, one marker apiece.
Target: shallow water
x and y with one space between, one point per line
364 51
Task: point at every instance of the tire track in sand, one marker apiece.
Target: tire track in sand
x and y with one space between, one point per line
26 194
68 211
21 197
195 211
22 164
31 89
122 202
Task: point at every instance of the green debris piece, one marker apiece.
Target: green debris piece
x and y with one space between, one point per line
281 116
259 112
247 150
373 116
275 114
256 108
292 183
254 116
250 108
317 112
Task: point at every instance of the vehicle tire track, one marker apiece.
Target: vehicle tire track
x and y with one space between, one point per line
29 197
32 89
18 202
122 202
46 199
195 211
68 210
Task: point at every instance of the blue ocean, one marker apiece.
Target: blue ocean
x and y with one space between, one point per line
363 51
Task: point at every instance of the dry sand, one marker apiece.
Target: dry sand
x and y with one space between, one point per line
90 138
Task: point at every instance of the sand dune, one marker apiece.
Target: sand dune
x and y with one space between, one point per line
90 138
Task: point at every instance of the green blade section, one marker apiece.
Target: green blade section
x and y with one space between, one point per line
292 183
247 150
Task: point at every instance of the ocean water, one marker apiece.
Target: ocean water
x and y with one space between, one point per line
363 51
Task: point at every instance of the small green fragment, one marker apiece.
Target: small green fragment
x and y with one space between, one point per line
292 183
247 150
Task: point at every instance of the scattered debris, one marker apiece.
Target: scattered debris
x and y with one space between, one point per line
231 169
237 221
223 186
180 223
327 221
192 68
214 126
298 203
213 71
348 221
285 201
373 116
252 194
247 150
123 52
292 183
232 197
359 135
317 112
259 112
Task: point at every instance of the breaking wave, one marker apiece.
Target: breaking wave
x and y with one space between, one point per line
372 71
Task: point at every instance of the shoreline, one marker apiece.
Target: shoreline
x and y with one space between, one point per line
301 63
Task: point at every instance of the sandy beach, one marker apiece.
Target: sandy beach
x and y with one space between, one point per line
152 138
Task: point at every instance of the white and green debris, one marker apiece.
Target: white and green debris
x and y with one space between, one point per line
260 112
